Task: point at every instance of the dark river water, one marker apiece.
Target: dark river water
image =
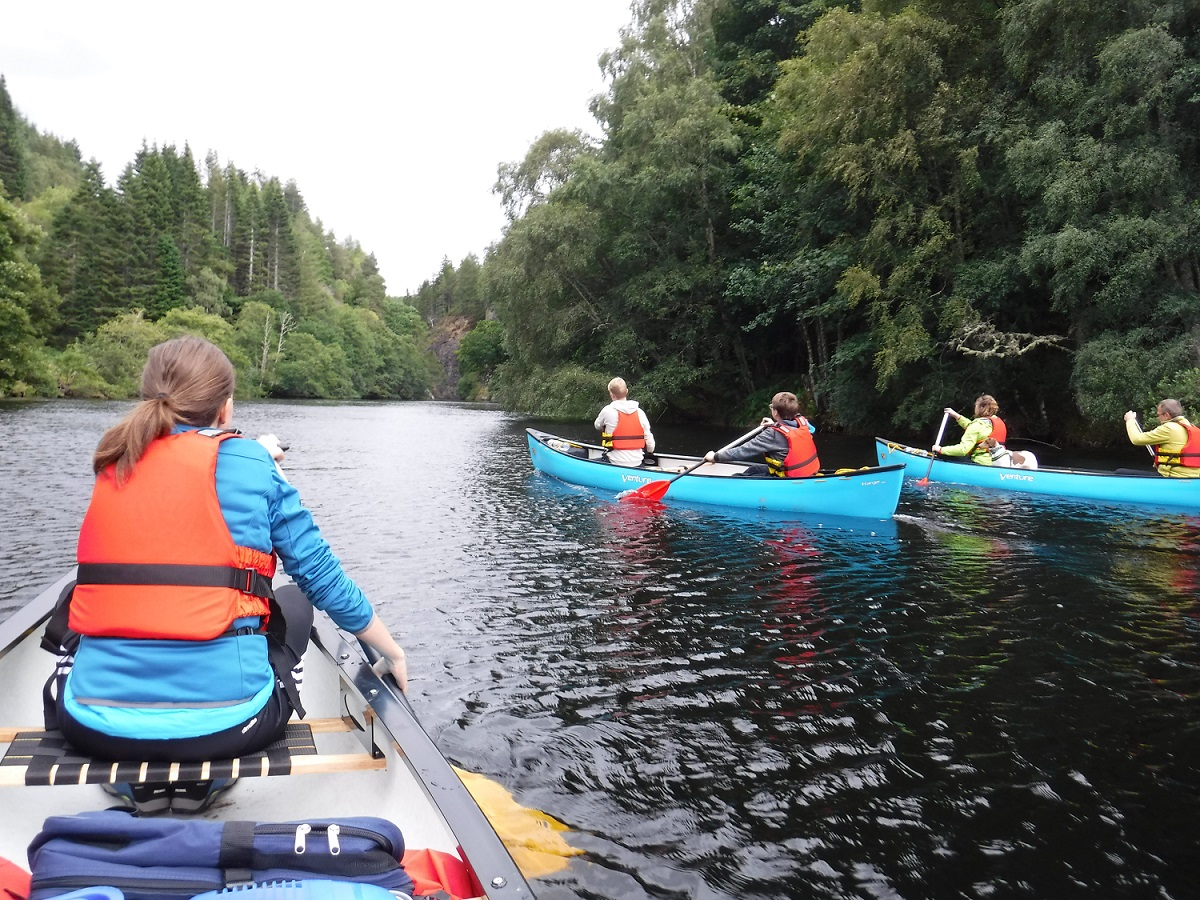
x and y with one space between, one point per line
989 696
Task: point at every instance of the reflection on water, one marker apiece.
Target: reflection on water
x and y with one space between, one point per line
988 696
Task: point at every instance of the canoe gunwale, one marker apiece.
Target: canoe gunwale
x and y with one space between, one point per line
493 866
542 437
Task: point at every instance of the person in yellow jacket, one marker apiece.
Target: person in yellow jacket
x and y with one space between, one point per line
976 432
1176 441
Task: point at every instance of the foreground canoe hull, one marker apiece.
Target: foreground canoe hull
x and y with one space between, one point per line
393 771
865 493
1081 484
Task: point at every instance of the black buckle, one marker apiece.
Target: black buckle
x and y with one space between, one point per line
249 588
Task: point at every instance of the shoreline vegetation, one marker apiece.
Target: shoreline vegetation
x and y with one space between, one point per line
884 207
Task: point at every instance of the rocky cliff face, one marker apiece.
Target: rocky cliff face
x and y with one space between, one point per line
444 338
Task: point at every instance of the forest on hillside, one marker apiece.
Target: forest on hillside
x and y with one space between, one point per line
92 275
886 206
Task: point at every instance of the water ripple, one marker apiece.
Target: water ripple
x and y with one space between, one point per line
990 696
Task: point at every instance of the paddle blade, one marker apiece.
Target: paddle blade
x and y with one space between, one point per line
647 493
924 482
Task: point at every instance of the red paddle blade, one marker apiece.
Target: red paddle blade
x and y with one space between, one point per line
924 482
647 492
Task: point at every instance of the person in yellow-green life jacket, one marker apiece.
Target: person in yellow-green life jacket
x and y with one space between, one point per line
976 432
1176 441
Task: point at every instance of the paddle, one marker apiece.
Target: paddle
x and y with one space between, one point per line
533 838
656 489
1023 440
932 456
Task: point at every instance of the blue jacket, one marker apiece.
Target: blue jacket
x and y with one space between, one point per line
159 689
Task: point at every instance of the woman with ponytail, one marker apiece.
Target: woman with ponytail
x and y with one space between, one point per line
186 651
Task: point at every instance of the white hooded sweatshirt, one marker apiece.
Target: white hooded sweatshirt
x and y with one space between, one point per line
607 421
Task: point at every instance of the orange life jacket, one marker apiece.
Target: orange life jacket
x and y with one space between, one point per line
999 430
999 434
627 435
1189 456
156 559
801 459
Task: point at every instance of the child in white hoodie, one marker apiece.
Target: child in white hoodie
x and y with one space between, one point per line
624 428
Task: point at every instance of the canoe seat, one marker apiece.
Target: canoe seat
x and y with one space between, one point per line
38 757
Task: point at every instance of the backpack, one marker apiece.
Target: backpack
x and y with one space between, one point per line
170 859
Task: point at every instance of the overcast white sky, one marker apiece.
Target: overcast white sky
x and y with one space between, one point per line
391 115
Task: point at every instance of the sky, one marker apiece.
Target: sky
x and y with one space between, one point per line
392 116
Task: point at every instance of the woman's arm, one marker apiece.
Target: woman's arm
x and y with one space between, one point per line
378 638
975 432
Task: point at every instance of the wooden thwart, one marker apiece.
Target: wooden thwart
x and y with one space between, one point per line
38 757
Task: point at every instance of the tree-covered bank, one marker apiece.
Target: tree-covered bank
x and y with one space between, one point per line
886 206
91 276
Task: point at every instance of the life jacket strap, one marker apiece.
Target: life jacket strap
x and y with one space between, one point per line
800 465
248 581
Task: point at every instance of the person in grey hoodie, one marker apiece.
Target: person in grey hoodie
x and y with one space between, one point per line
624 428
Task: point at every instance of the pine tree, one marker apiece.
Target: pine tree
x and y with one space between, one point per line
279 242
85 258
189 210
170 292
13 165
246 247
146 191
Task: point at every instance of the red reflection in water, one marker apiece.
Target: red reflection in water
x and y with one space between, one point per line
799 616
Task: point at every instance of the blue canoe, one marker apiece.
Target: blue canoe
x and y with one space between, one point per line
1083 484
865 493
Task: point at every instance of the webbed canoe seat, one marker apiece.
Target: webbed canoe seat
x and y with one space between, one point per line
35 756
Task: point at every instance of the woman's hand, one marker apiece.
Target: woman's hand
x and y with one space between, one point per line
396 665
391 655
271 442
951 413
710 456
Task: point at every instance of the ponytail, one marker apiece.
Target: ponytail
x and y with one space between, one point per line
185 381
124 443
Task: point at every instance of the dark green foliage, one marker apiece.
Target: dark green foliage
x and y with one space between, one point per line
85 260
751 37
23 302
169 293
887 207
479 356
1118 371
237 259
14 175
313 369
